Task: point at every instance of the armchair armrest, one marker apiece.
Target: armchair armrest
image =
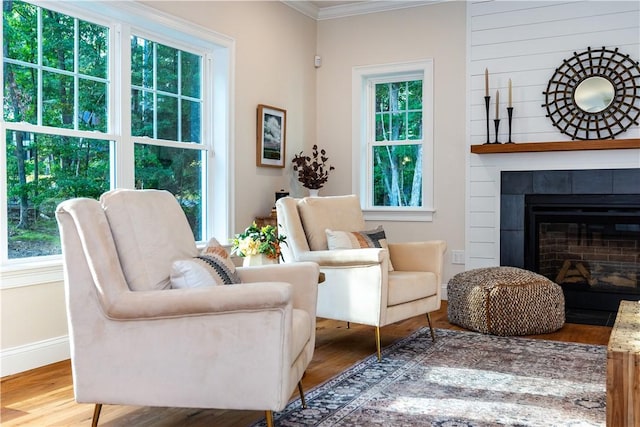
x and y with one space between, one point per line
419 256
345 257
139 305
303 277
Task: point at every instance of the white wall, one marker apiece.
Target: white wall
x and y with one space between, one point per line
435 31
526 41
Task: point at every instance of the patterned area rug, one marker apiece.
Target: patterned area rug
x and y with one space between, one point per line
463 379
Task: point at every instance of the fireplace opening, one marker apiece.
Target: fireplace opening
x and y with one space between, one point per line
588 244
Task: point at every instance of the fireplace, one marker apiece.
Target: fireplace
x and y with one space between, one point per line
577 227
588 244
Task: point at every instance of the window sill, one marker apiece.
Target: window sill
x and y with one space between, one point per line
398 215
31 274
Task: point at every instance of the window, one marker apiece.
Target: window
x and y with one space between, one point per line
55 96
166 105
84 113
393 140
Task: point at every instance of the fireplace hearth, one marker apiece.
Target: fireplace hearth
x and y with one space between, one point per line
579 228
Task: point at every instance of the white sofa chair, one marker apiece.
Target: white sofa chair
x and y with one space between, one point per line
359 286
137 341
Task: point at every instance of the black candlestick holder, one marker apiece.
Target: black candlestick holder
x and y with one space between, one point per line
486 106
497 125
510 114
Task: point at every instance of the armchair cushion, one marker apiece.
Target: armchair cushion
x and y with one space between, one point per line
335 213
150 232
212 267
375 238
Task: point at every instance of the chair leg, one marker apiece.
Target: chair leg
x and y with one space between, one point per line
269 417
96 414
378 343
433 335
302 400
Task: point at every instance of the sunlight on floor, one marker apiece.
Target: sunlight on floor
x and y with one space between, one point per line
498 412
506 382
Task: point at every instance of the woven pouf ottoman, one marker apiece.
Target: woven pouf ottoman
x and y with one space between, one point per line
505 301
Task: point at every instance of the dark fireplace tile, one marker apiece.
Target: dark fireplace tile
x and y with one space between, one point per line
552 182
512 248
512 212
626 181
562 186
593 181
516 182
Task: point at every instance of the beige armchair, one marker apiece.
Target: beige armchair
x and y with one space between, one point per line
135 340
359 286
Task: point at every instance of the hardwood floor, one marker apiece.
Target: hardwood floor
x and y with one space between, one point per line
44 396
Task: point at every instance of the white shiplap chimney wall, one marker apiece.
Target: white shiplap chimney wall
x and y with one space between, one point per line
525 41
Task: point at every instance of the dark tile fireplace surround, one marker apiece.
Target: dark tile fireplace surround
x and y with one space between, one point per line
581 229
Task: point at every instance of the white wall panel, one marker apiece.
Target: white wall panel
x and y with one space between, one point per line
526 41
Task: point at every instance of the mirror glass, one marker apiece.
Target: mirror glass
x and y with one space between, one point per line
594 94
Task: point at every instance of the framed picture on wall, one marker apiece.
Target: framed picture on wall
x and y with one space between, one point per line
272 129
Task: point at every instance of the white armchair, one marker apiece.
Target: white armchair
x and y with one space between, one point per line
137 341
359 286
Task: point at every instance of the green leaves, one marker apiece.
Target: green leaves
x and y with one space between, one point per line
255 240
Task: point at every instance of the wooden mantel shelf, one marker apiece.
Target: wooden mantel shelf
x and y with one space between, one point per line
536 147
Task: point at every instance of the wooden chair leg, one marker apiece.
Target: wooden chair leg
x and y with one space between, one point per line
269 416
96 414
378 344
433 334
302 400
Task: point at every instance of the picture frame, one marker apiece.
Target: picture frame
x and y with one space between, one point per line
271 136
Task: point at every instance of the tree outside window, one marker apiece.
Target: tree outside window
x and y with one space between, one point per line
65 87
397 163
57 112
166 105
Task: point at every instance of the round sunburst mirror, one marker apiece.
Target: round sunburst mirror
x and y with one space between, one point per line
594 94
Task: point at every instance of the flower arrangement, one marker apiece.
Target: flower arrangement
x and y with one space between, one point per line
255 240
313 172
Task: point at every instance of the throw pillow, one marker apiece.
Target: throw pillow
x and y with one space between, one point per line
212 267
358 239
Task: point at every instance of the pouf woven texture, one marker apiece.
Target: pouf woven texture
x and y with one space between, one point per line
505 301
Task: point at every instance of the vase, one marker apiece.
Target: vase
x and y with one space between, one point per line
314 192
259 259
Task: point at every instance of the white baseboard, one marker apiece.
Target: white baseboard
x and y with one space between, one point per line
34 355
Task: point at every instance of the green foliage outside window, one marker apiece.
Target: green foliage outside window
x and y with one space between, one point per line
397 150
166 104
43 169
177 171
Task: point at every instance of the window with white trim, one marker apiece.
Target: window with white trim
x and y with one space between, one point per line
393 140
99 99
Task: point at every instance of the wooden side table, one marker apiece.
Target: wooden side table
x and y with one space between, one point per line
623 368
267 220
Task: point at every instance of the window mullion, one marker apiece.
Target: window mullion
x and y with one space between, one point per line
155 90
179 91
39 104
123 174
76 72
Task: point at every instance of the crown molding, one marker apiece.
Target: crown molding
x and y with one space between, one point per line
303 7
352 9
